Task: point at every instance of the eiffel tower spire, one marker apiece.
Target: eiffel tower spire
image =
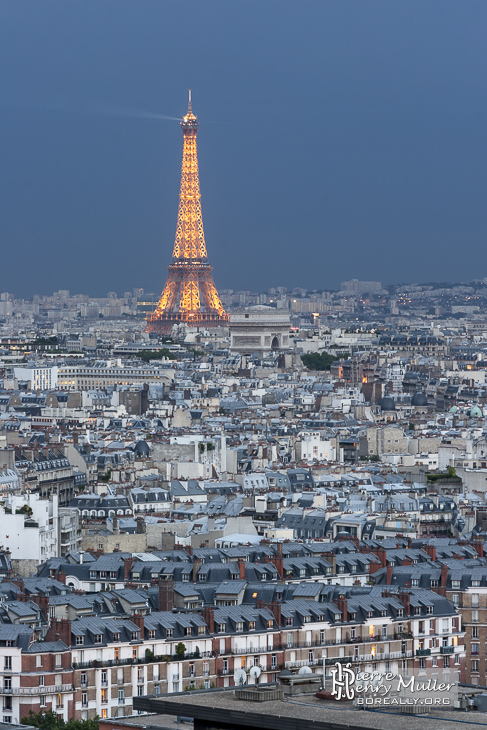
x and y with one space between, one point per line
189 294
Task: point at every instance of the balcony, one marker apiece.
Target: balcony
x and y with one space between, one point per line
447 649
423 652
50 689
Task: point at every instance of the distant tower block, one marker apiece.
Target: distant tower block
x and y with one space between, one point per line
189 294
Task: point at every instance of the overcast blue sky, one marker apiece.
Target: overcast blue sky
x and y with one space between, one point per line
338 139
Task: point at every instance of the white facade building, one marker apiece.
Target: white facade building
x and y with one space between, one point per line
40 378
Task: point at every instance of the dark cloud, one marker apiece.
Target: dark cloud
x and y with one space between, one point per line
337 140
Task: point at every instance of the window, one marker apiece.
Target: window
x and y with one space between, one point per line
455 599
134 635
169 633
251 625
455 584
104 714
201 630
116 637
475 648
187 630
475 616
7 662
475 665
475 632
239 626
98 638
422 664
289 620
152 634
104 696
475 599
429 609
58 661
274 661
41 680
42 700
83 680
84 699
121 696
80 640
221 628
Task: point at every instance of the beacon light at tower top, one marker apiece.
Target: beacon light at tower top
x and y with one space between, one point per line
189 294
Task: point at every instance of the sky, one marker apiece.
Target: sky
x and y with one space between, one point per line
338 139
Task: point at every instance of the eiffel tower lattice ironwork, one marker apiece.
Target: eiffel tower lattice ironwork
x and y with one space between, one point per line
190 294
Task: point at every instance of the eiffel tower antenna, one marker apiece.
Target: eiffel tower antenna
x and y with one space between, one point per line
189 294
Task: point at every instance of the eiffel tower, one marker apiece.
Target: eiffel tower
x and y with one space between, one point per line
189 294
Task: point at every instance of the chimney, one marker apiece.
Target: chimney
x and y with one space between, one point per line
138 620
374 566
59 631
406 561
443 576
241 568
139 525
43 603
389 570
431 550
81 556
166 595
479 546
341 604
189 550
116 525
208 615
278 561
276 610
61 577
127 567
355 541
331 558
196 567
382 556
405 599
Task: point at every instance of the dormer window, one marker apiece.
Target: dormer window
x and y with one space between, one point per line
475 584
289 620
98 638
134 635
239 626
415 582
152 634
188 631
116 637
352 616
270 623
80 640
221 628
251 625
417 610
429 609
92 573
455 584
400 612
370 614
169 633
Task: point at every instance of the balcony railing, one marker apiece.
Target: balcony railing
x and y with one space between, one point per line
48 689
423 652
447 649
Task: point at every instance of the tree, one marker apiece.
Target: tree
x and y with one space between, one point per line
318 360
50 720
180 649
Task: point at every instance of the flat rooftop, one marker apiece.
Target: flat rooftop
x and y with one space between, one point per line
304 712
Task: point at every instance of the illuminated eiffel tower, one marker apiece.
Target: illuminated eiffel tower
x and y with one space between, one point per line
189 294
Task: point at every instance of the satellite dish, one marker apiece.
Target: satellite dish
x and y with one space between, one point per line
240 677
305 670
255 672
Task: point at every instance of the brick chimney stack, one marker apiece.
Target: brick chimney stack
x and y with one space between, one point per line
342 605
431 550
241 568
208 615
374 566
59 631
166 595
127 567
389 570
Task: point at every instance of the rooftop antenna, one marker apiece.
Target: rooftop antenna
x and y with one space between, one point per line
189 100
